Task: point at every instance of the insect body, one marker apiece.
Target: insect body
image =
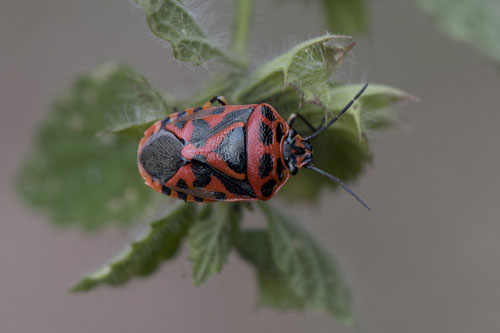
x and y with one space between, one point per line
226 152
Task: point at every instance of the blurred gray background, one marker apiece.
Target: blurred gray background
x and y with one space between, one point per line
425 260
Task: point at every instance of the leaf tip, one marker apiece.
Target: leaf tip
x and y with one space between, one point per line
79 287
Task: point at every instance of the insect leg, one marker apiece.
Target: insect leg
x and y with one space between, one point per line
221 99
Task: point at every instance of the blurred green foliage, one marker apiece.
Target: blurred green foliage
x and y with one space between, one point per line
254 246
346 16
77 172
310 272
83 169
476 22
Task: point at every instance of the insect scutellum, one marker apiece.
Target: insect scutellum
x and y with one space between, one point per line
297 151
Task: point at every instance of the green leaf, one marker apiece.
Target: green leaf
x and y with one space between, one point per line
143 257
369 111
78 173
346 16
172 21
374 104
273 286
343 149
275 291
307 67
254 247
313 275
476 22
209 242
138 109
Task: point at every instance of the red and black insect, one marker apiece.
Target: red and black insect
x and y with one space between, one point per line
227 152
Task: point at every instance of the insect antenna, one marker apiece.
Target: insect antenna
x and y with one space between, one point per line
331 122
335 179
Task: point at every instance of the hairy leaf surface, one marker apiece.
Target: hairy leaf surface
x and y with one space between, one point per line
143 256
306 67
273 286
210 241
312 273
172 21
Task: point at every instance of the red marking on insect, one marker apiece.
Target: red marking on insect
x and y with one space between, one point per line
227 152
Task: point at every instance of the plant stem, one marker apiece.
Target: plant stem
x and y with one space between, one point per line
241 27
346 16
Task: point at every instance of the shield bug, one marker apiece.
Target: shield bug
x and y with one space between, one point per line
228 152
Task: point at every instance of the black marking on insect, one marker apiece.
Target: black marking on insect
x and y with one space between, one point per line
266 112
265 165
180 124
161 157
165 121
232 150
220 195
280 169
265 134
166 190
182 195
218 109
279 132
231 118
201 132
181 183
267 188
235 186
202 174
